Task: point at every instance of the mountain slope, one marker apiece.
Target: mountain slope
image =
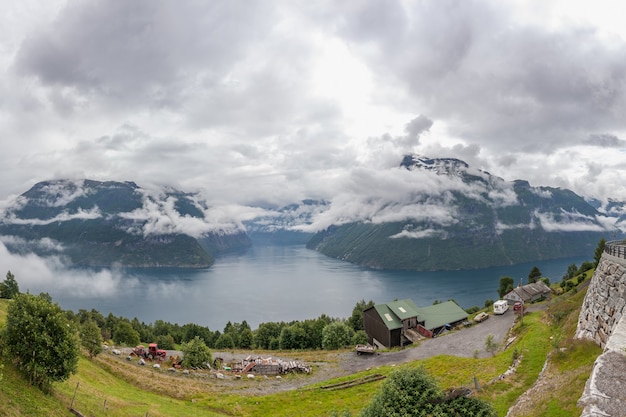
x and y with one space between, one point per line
474 220
94 223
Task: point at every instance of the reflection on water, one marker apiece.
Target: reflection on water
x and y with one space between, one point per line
284 283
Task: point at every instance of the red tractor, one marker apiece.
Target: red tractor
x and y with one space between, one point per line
153 352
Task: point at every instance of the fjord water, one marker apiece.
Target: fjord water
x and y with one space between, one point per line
285 283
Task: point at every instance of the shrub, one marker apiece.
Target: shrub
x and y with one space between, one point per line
41 340
196 353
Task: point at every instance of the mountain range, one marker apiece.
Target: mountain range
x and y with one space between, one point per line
427 214
93 223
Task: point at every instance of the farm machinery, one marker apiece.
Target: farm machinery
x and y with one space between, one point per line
152 352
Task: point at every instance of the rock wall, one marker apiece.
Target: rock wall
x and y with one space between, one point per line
605 300
602 319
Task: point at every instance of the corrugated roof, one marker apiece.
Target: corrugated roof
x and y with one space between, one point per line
433 316
439 315
389 318
403 309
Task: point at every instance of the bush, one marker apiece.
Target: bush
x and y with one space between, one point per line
165 342
41 340
196 354
412 392
360 338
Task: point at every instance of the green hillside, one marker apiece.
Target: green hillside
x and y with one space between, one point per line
372 245
109 385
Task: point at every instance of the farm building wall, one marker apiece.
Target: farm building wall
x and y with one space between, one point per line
377 329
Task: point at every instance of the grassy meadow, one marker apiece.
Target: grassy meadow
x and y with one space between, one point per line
109 385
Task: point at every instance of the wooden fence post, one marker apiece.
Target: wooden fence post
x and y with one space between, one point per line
74 397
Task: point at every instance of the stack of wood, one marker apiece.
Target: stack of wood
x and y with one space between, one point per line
269 366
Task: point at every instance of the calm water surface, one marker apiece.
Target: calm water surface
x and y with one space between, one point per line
284 283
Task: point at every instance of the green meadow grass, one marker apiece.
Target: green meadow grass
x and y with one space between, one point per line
107 386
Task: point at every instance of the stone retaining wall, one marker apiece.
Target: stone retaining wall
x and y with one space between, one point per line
603 319
605 300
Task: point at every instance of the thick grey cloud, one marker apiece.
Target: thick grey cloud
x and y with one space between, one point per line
275 101
605 141
498 80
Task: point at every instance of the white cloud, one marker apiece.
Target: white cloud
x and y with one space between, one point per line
159 216
45 244
80 214
34 274
569 222
417 234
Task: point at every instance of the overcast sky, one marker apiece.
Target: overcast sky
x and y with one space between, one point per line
276 101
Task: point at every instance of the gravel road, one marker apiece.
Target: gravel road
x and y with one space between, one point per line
467 342
456 343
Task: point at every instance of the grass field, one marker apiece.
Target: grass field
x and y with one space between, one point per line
110 386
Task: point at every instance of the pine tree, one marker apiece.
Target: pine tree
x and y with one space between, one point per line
534 275
8 287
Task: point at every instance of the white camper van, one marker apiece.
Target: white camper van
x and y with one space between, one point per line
500 307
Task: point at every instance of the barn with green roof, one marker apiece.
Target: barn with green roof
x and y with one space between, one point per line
400 322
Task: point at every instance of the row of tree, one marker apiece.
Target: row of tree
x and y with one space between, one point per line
44 340
323 332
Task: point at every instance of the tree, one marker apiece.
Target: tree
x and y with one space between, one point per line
196 353
572 271
412 392
336 335
191 330
124 334
534 275
264 334
40 340
356 319
246 339
8 287
506 285
224 341
293 337
91 338
598 252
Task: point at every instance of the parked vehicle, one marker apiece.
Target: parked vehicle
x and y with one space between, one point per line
500 307
518 306
365 349
480 317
